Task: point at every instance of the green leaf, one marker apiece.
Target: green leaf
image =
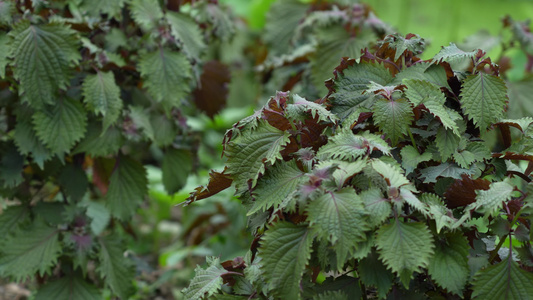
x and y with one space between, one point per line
449 266
30 250
146 13
7 8
166 75
102 96
505 280
300 108
464 158
60 127
393 117
73 180
166 131
335 43
43 58
447 142
423 71
483 99
12 217
176 167
490 201
97 7
519 98
127 188
405 248
11 166
68 288
416 44
100 143
419 91
99 215
141 120
331 295
281 20
248 154
452 54
205 282
378 207
4 50
347 146
352 82
279 181
522 124
431 174
339 217
411 158
27 142
391 174
188 34
372 272
438 211
285 250
117 270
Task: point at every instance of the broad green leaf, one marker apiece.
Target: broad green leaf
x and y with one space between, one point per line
505 280
349 286
206 281
100 143
331 295
373 272
490 201
99 215
483 99
127 188
102 96
166 75
74 182
377 206
452 54
464 158
449 266
339 217
7 8
4 50
248 154
146 13
411 158
285 250
431 174
419 91
416 44
335 43
43 58
97 7
393 117
423 71
68 288
27 142
350 84
60 127
279 181
117 270
12 217
11 166
405 248
391 174
30 250
176 167
166 131
188 34
519 98
348 146
522 124
141 119
343 170
282 19
299 109
447 142
438 211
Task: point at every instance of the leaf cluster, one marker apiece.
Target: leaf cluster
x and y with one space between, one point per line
385 185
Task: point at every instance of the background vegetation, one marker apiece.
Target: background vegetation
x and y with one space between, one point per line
161 241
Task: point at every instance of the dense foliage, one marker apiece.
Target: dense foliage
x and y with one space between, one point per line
92 92
387 186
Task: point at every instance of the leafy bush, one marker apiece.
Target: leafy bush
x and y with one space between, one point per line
387 186
92 92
